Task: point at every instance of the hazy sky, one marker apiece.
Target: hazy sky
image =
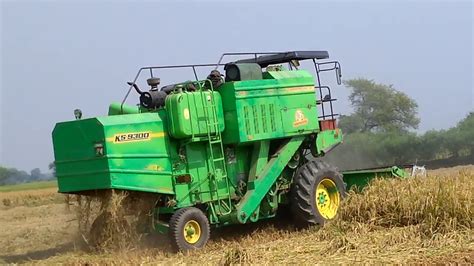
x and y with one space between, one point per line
60 55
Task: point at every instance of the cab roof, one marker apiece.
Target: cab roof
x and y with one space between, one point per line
285 57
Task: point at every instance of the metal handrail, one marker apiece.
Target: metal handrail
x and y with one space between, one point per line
319 67
322 101
151 68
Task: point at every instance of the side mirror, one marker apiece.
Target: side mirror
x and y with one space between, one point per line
338 74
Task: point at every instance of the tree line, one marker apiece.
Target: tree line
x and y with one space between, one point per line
10 176
380 131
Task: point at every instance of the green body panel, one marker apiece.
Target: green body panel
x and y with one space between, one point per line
358 179
187 113
259 159
283 104
327 139
238 164
128 161
202 187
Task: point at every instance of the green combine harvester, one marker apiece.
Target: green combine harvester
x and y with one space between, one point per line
228 149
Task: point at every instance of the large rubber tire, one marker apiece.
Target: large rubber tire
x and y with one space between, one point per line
303 196
182 224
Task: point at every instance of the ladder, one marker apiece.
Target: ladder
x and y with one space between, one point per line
217 166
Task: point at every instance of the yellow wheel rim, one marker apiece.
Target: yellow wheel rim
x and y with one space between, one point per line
327 198
192 232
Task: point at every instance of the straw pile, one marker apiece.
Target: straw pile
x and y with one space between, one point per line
114 220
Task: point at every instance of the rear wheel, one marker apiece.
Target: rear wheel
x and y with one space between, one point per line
189 229
316 193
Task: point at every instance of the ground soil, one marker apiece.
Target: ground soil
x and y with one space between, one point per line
38 227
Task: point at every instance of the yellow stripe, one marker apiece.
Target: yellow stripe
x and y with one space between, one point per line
158 135
300 89
283 90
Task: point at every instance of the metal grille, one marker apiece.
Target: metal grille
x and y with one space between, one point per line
272 117
264 118
255 119
247 120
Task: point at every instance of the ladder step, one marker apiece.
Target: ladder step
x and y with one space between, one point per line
215 141
219 159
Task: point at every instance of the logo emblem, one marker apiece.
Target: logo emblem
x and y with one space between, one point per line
300 119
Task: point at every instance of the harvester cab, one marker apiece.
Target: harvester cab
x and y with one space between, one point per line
232 148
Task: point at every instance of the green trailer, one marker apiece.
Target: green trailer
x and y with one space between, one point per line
229 149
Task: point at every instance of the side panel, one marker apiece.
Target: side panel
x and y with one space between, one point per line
121 151
188 116
197 190
137 147
202 186
328 139
281 105
78 168
297 120
238 165
260 118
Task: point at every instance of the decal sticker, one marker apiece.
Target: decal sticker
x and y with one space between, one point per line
134 137
300 119
154 167
186 113
130 137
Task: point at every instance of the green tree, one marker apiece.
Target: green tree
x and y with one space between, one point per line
466 130
459 140
35 174
12 176
378 108
432 145
4 174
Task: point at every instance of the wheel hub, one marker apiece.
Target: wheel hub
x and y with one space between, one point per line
327 198
192 232
323 198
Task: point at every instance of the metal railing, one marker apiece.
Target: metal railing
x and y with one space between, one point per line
319 68
323 67
151 68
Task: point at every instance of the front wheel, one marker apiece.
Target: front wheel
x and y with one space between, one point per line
316 193
189 229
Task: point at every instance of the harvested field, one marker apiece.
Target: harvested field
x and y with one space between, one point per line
31 198
29 186
420 220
